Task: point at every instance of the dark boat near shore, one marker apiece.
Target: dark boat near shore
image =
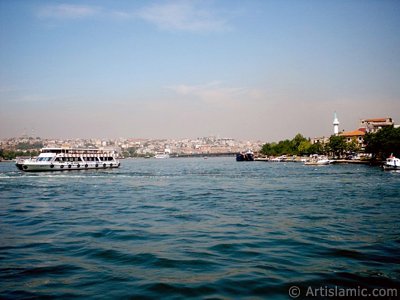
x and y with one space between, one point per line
248 156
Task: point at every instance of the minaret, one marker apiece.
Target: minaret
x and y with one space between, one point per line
335 125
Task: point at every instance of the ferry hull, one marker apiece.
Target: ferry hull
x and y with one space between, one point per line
37 167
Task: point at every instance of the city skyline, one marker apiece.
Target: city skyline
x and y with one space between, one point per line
252 70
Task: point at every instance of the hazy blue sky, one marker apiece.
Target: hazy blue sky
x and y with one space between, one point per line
169 69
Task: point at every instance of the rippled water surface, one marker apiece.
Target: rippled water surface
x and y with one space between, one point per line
196 228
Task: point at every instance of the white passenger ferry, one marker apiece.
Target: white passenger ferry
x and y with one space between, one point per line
60 159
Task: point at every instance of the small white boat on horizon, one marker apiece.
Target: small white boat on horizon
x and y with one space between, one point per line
162 156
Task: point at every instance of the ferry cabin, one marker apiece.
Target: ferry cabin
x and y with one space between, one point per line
59 159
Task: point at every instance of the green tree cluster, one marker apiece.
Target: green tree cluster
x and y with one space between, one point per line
337 145
28 146
299 145
383 143
130 152
11 154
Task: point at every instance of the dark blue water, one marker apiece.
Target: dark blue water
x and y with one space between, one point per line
196 228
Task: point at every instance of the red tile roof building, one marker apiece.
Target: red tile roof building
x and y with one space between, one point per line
373 125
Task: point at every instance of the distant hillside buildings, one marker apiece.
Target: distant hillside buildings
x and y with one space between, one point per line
138 147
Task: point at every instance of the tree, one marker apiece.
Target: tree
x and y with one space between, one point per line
353 146
316 148
298 145
304 147
284 147
297 140
27 146
383 143
337 145
269 149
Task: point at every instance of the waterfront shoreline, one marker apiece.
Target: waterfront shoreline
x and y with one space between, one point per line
334 161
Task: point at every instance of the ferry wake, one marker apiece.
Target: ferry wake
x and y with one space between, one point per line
61 159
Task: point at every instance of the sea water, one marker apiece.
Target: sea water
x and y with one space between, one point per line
198 228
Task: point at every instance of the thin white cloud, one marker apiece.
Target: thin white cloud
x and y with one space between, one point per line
216 92
183 16
189 16
68 11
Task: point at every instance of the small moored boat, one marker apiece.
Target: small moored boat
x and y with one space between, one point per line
318 161
392 163
161 155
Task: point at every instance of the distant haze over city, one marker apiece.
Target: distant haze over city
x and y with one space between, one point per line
257 70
